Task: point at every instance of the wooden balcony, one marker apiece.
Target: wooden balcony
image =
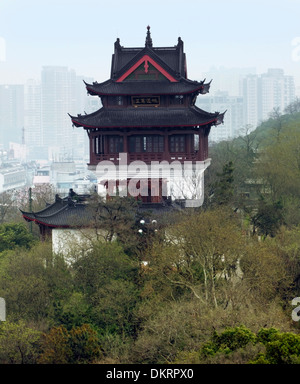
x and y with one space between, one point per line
146 157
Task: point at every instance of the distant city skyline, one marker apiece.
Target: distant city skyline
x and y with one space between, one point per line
41 108
80 34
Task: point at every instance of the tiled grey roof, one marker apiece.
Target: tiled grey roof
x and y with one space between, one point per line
62 213
171 57
147 117
111 87
67 213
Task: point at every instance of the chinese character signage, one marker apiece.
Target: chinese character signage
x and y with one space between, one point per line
152 101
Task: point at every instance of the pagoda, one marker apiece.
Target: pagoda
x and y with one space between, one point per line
148 113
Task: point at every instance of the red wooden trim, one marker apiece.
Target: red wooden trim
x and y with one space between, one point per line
144 94
46 225
144 126
139 62
28 218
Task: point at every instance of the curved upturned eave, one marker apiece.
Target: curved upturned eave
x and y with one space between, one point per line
38 221
191 87
212 119
44 220
211 122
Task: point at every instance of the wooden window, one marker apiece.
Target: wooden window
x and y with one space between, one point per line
154 143
98 144
147 143
177 143
135 144
196 142
115 144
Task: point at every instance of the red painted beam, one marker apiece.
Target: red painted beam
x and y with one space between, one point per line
147 58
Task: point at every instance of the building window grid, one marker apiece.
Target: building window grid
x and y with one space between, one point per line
147 143
115 144
177 143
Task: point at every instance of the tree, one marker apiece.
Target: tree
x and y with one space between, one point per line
268 218
293 107
13 235
8 208
236 158
278 172
32 282
224 190
116 219
266 274
108 279
19 344
281 347
200 254
40 196
55 347
276 116
80 345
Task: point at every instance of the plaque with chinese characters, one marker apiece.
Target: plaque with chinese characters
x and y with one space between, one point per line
151 101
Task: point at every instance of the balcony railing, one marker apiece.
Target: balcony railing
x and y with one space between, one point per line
146 157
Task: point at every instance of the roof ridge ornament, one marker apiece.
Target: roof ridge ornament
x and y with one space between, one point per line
117 44
148 42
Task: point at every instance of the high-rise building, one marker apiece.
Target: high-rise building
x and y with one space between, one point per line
61 92
47 131
33 136
227 79
234 114
264 93
251 96
277 91
58 98
11 114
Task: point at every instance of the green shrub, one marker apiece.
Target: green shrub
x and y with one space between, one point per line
229 340
284 348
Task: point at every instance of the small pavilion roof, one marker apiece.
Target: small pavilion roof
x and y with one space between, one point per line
70 213
63 213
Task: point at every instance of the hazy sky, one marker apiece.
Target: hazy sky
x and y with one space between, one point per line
80 34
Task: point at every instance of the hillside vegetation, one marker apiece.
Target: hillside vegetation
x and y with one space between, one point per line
217 285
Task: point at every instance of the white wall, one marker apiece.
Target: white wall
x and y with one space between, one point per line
72 243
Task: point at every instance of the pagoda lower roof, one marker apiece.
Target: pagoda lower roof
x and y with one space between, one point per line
145 88
141 117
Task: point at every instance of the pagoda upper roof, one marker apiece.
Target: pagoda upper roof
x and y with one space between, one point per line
172 57
143 88
147 117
